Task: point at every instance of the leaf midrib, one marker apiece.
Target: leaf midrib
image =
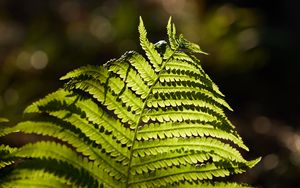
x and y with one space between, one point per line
141 115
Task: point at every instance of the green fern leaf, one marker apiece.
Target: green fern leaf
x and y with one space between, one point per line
213 185
24 178
153 121
190 173
170 130
149 48
58 152
171 31
5 158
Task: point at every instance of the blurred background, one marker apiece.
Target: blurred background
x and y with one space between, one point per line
254 59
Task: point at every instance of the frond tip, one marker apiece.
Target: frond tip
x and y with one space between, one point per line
156 120
180 42
149 48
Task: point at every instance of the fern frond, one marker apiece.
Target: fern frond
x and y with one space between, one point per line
180 42
213 185
81 145
111 102
149 48
24 178
183 80
62 171
129 76
105 140
5 158
191 93
184 94
61 153
166 160
176 64
171 31
186 144
143 67
177 115
153 121
5 150
84 107
92 71
191 60
190 173
170 130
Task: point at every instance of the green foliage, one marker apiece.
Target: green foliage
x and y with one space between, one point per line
134 122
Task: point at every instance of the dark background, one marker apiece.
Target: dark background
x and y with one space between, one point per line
254 58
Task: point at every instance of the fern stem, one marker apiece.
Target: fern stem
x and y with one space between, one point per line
140 117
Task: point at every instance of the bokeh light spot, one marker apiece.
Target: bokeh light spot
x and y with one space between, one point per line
227 13
295 158
270 161
173 6
248 39
23 61
297 142
262 125
101 28
70 11
39 60
11 96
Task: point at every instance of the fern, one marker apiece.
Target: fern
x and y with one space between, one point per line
157 121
